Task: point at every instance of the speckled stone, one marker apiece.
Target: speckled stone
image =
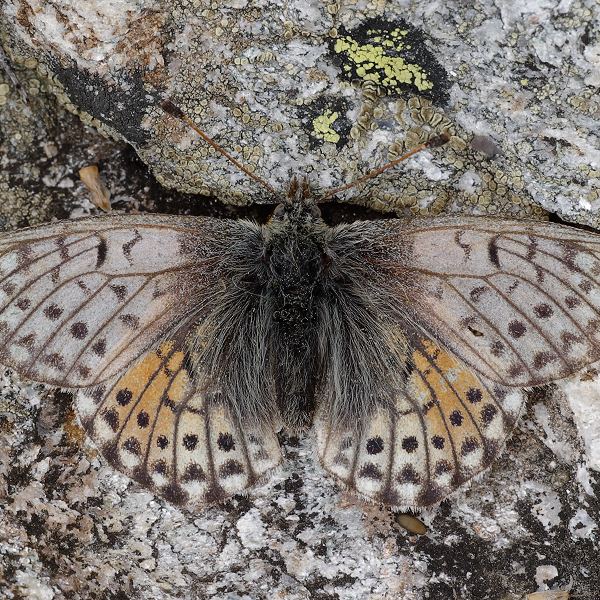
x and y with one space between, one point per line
286 87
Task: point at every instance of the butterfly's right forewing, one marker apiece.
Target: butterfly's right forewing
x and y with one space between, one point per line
517 301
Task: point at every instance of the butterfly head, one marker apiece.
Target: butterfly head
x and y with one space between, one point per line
298 210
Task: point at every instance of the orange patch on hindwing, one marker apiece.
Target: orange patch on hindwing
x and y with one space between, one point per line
142 404
450 395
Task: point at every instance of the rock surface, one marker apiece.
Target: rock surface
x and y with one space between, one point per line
326 90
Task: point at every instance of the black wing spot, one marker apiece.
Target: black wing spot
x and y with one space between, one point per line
124 397
83 371
568 339
62 249
516 370
23 303
143 419
442 467
488 413
370 471
438 442
101 252
27 341
160 467
132 445
375 445
111 418
469 446
128 246
190 441
82 286
541 359
162 441
474 395
175 494
543 311
517 329
193 472
466 248
79 330
53 312
408 475
410 444
225 442
497 348
130 321
120 292
24 254
99 347
98 393
456 418
477 292
56 361
231 468
493 253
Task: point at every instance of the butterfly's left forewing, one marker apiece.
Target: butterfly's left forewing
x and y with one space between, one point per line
80 300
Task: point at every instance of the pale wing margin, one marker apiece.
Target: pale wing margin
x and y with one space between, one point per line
519 301
80 300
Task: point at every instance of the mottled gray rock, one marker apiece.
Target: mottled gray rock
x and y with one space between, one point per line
286 87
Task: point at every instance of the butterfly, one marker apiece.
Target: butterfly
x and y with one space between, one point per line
403 345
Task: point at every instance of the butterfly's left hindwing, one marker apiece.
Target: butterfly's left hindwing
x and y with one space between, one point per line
188 445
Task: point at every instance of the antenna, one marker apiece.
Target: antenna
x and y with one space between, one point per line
435 142
174 110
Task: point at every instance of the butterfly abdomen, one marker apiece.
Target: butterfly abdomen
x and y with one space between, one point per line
295 289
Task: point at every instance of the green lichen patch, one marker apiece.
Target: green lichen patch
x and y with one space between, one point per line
325 120
393 55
